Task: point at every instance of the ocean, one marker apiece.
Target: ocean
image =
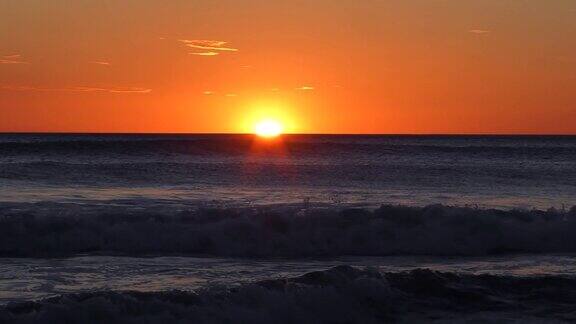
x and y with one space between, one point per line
301 228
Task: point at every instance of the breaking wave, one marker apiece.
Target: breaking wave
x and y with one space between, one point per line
339 295
286 231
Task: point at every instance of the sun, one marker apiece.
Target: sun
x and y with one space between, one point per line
268 128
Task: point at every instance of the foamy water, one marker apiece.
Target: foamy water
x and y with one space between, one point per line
24 279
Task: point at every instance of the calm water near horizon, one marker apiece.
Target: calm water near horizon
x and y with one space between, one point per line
231 170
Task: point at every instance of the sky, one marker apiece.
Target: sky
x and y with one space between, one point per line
317 66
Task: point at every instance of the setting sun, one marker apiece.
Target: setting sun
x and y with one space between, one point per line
238 130
268 128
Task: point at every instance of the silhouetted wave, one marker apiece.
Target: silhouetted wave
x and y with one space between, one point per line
288 231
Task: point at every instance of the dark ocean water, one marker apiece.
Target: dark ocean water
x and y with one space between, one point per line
231 228
488 171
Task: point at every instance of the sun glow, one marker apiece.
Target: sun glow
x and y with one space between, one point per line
268 128
267 118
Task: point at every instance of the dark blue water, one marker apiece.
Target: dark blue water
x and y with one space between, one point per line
198 228
488 171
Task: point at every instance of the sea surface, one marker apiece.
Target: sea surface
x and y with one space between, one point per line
300 228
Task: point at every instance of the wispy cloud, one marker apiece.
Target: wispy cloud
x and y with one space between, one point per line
208 45
114 90
12 59
77 89
100 63
220 94
205 53
479 31
305 88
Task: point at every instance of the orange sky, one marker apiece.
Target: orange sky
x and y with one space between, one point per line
320 66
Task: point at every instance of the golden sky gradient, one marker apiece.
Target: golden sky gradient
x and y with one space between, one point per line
320 66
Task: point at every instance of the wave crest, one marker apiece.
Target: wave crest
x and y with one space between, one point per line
286 231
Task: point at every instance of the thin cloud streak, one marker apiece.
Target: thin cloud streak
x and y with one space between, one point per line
479 31
100 63
306 88
210 48
77 89
208 45
12 59
205 53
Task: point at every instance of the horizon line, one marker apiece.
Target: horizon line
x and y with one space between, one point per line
284 134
